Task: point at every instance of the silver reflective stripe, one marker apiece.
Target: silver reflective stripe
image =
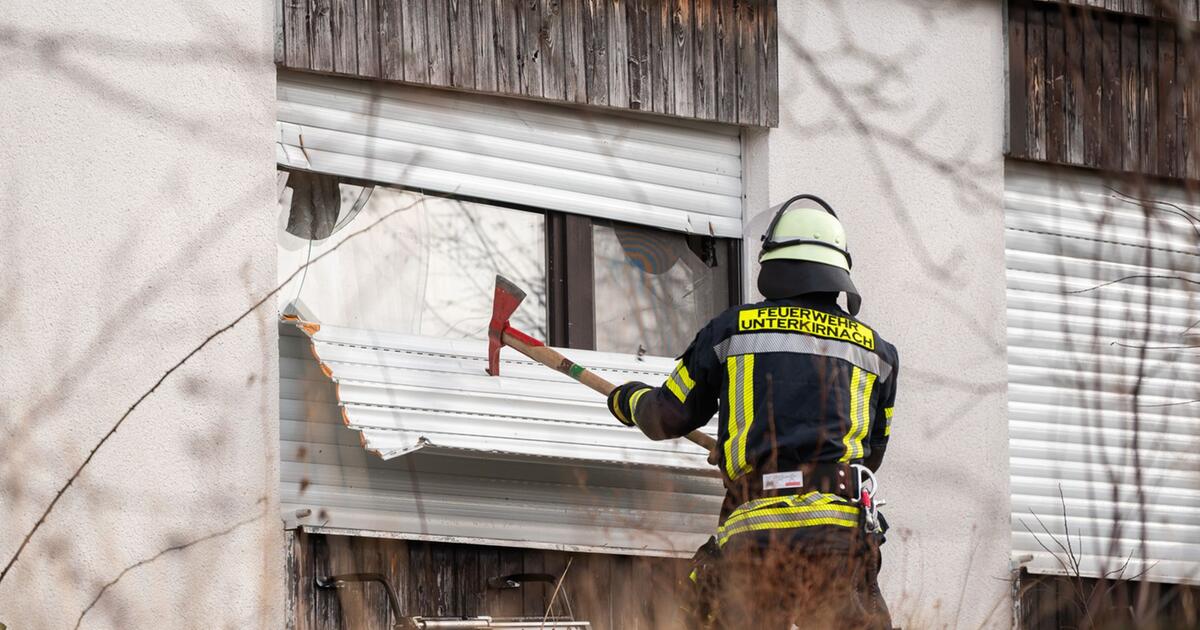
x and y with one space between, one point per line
741 413
756 343
861 385
677 378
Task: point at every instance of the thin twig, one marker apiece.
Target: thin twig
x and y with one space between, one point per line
1135 277
179 547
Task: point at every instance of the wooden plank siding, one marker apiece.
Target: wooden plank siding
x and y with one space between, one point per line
1167 9
1103 89
714 60
443 579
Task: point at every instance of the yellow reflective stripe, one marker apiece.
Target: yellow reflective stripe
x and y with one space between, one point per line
865 411
765 504
794 514
684 376
862 383
633 401
741 413
887 428
680 382
616 408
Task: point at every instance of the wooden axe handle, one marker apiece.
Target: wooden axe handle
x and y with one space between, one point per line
548 357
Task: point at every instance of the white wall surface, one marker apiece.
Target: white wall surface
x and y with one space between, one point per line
137 216
893 111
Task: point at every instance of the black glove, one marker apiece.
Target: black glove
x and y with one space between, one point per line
620 401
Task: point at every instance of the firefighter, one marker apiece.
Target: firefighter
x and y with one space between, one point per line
804 393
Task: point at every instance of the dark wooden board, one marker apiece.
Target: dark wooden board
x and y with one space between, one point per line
1148 96
618 53
769 64
704 59
637 26
343 18
550 41
746 17
1112 113
595 50
529 28
574 58
295 34
507 14
484 44
391 40
415 51
1017 110
1075 98
320 34
662 70
462 43
1056 88
437 41
682 51
1168 97
367 39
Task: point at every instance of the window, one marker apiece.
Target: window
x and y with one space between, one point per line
654 289
428 268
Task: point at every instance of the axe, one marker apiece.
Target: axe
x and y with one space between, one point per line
500 333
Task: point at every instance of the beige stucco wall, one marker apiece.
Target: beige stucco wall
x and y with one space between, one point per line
893 111
137 212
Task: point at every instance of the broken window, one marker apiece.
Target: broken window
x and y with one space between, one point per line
398 260
414 263
653 291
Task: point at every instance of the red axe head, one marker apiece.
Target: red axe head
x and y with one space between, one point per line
508 297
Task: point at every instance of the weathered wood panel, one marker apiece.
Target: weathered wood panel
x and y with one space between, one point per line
1102 89
321 35
1169 9
706 59
440 579
1052 602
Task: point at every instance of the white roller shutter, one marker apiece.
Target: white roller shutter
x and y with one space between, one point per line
404 436
669 174
1104 375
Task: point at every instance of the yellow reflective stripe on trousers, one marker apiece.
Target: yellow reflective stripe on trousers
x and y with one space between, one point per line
862 383
808 510
741 413
887 413
680 382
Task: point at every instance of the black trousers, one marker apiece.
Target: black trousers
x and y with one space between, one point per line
772 581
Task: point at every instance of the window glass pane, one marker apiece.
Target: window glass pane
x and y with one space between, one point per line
653 292
427 268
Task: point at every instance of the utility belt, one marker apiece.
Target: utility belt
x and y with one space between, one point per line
850 481
835 478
